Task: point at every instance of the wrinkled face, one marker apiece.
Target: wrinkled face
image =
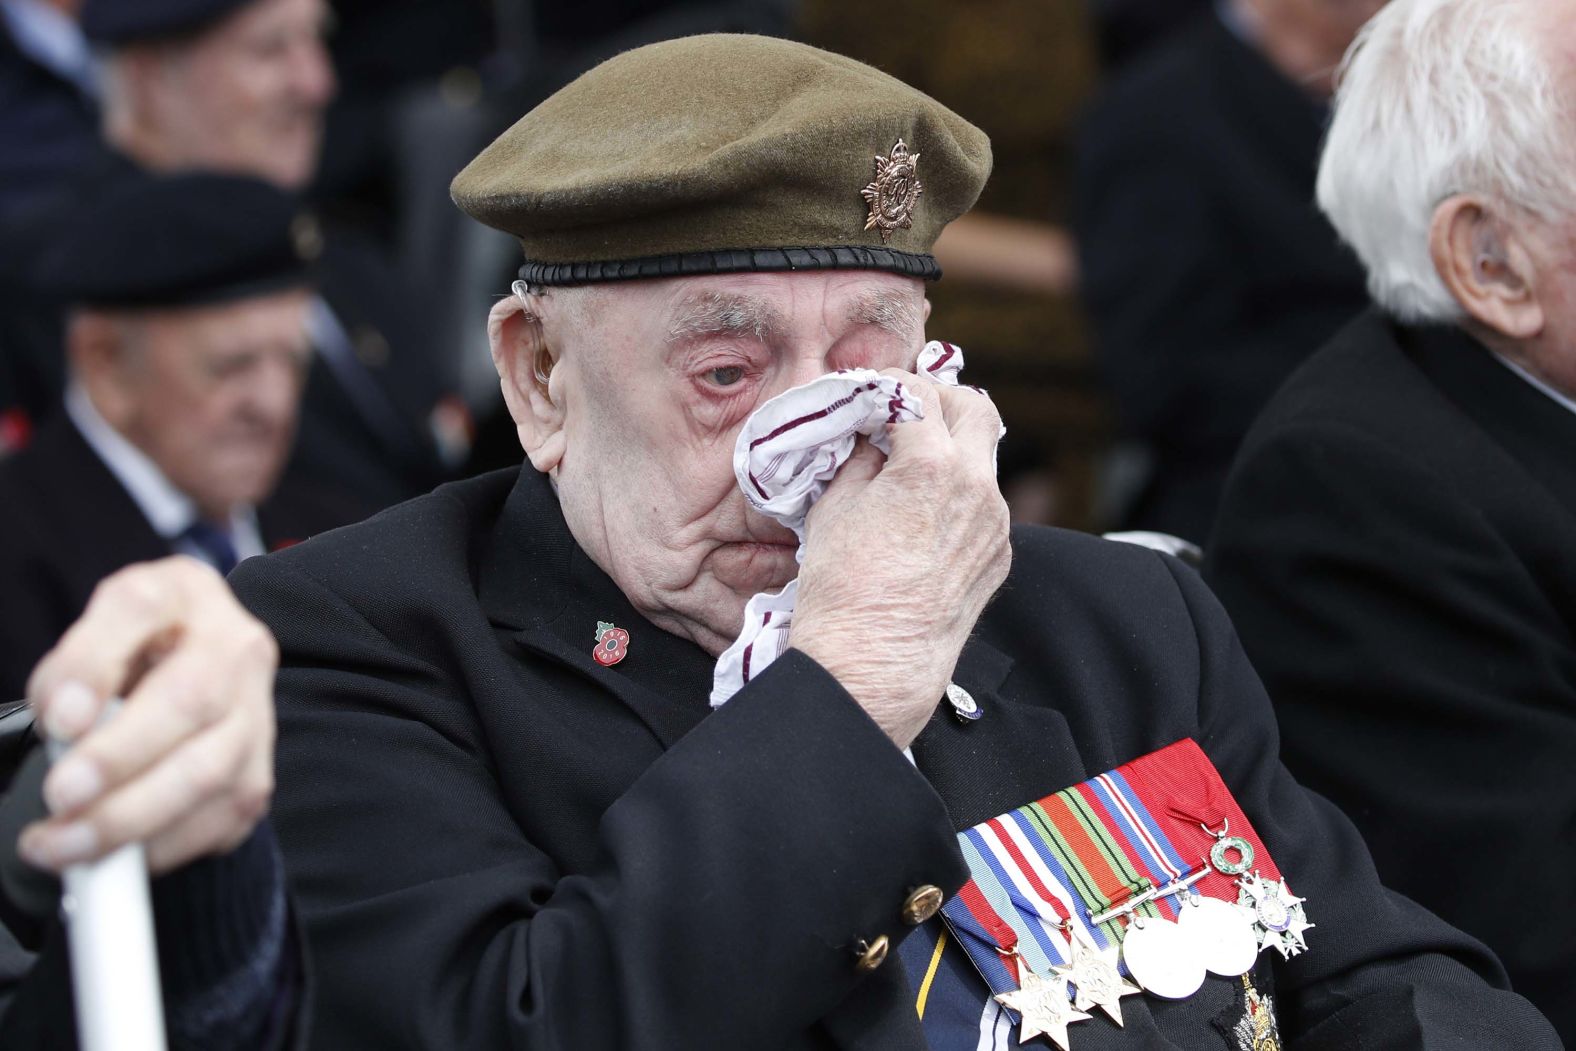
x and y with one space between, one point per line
655 379
210 394
247 96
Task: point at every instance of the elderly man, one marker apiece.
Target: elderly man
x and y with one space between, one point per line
509 813
1395 538
187 353
1208 275
186 364
240 86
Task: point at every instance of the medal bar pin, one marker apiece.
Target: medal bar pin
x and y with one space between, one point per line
1176 886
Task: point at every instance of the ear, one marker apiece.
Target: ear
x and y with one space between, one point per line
924 314
95 351
141 75
1484 262
531 390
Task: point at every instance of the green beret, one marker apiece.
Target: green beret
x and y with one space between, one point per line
724 153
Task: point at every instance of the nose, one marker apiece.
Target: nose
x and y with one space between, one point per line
804 367
313 73
275 394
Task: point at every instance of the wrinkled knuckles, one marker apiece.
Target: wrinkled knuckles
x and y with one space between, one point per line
256 645
193 699
139 589
248 806
206 773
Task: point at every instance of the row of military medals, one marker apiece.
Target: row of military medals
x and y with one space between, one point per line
1166 958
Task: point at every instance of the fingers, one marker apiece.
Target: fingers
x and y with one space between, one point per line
210 829
195 734
962 417
134 614
189 691
220 772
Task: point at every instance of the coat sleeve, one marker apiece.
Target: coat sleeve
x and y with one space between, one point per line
1423 678
1380 971
735 876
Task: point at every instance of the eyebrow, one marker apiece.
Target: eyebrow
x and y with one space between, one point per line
887 309
722 314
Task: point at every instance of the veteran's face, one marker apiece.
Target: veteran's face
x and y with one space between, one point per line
654 380
210 394
248 95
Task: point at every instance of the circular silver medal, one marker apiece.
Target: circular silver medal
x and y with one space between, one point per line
1162 958
1222 934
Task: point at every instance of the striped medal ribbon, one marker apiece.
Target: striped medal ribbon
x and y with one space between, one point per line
1149 871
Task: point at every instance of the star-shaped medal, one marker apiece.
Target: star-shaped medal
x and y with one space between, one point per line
1043 1006
1277 913
1096 981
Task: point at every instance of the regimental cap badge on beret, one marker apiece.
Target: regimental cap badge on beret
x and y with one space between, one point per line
894 193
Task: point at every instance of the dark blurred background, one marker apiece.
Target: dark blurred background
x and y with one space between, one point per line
1143 269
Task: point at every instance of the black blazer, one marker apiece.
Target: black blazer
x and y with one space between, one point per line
1396 546
369 438
48 127
1208 272
497 843
66 523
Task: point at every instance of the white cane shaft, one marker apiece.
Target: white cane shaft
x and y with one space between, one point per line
114 962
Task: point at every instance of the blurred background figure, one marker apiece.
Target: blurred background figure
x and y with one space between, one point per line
1128 28
49 90
1395 540
49 128
241 86
1207 272
187 349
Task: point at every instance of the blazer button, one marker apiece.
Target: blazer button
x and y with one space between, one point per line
923 903
871 954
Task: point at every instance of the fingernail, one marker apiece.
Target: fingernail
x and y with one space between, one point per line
71 784
68 844
31 847
71 711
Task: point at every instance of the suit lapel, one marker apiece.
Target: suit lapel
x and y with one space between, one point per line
1013 754
95 518
552 598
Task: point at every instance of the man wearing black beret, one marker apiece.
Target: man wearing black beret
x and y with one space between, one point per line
187 352
532 793
240 86
187 349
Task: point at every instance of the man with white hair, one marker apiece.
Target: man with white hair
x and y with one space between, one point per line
1395 541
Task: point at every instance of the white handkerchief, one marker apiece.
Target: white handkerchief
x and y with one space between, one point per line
787 452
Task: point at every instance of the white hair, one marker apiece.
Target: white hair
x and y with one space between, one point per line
1438 98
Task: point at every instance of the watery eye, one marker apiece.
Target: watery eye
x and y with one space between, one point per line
726 376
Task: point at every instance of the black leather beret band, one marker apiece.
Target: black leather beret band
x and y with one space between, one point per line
734 261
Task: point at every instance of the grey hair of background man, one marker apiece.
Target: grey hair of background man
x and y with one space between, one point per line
1438 98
